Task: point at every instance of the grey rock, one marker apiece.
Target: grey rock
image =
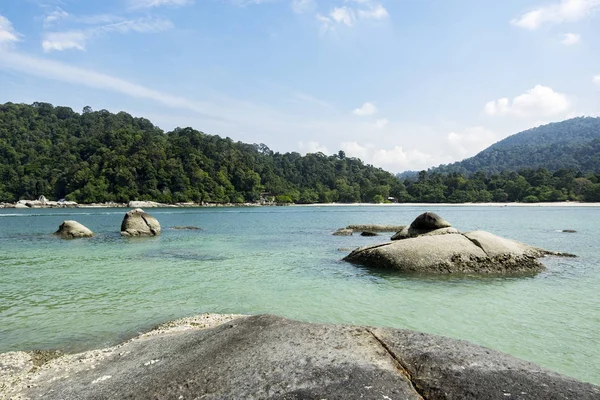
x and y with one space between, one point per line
426 254
343 232
429 221
444 368
139 223
73 230
187 228
267 357
494 245
375 228
368 233
409 232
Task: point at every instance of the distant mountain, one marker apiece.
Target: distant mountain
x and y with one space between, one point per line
571 144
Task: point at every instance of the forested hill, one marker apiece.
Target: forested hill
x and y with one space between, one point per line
572 144
98 156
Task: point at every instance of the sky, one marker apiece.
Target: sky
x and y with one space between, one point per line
400 84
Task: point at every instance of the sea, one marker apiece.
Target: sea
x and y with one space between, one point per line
76 295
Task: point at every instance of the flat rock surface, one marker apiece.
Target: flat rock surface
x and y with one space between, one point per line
267 357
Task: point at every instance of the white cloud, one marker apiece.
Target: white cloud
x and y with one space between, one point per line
365 110
55 16
381 123
349 14
471 141
565 11
312 147
541 101
159 3
596 79
59 41
377 11
343 15
303 6
77 39
7 32
326 23
570 39
395 159
66 73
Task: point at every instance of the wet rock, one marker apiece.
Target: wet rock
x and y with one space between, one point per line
73 230
139 223
368 233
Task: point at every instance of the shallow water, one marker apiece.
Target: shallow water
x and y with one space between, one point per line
88 293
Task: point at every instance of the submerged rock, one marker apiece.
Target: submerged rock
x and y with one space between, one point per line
343 232
187 228
368 233
267 357
73 230
430 245
139 223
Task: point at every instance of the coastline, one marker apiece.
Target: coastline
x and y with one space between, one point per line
31 204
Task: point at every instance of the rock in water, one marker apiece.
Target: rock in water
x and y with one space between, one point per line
409 232
139 223
429 221
445 250
343 232
368 233
267 357
426 223
73 230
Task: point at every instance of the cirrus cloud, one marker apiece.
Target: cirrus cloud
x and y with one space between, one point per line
8 34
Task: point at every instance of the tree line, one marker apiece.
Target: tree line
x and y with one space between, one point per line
99 156
527 185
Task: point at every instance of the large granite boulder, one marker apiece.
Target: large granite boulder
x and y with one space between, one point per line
139 223
267 357
73 230
430 245
426 223
408 232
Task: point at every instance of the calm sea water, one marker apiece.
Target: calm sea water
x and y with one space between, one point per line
88 293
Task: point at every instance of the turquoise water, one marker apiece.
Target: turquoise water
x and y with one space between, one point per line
89 293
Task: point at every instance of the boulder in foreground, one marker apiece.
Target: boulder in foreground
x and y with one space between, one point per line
267 357
139 223
73 230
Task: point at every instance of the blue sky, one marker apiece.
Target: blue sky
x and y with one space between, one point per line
401 84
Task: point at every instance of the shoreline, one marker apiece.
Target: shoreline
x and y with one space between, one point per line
35 204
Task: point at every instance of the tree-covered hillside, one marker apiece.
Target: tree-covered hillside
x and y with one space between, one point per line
572 144
98 156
